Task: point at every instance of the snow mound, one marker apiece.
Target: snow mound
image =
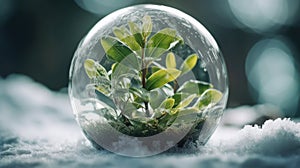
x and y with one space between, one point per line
280 137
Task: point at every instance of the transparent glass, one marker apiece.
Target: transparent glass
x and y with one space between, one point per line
91 109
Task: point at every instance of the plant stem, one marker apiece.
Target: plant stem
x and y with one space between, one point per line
144 72
143 69
175 87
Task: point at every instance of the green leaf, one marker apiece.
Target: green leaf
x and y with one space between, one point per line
156 97
106 100
168 89
138 105
178 97
158 114
161 42
187 115
122 72
114 49
186 101
129 109
136 82
138 114
94 69
209 97
170 60
155 69
126 38
103 85
137 33
107 113
140 94
189 63
117 51
161 77
121 32
187 111
166 120
167 104
147 26
194 86
114 66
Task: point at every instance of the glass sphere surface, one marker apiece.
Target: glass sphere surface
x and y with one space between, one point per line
147 79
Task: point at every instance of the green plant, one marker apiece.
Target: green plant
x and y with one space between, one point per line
140 89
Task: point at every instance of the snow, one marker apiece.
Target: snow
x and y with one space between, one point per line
37 129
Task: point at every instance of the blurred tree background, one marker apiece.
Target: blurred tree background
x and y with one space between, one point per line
260 41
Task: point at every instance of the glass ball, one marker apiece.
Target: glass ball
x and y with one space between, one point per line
148 79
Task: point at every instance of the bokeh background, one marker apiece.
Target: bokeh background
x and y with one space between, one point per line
260 41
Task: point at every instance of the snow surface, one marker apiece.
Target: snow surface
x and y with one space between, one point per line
37 129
